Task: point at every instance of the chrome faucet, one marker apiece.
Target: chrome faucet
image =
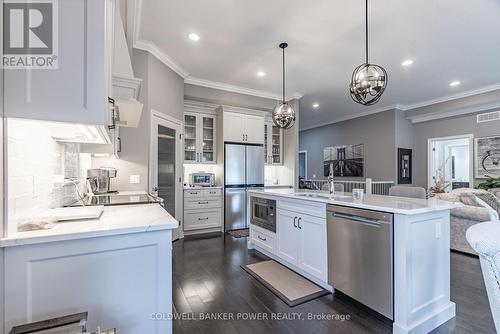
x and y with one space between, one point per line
331 185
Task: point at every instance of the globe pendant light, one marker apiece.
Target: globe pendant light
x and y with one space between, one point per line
368 81
283 114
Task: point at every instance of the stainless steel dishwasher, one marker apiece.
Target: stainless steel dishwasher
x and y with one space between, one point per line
360 256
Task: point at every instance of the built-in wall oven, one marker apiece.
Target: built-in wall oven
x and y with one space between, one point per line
263 213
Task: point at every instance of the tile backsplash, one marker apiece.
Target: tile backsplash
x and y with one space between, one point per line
37 166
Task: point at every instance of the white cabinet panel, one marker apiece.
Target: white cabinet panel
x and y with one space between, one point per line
253 129
77 90
233 127
288 236
119 280
312 246
200 219
243 128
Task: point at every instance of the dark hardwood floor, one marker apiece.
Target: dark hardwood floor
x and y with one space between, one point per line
208 281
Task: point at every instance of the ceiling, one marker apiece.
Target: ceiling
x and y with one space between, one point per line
447 40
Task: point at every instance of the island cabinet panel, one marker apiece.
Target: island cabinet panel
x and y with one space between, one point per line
77 90
312 246
121 281
288 236
301 241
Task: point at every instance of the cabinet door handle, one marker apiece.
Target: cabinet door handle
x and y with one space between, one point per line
263 239
295 222
298 223
205 202
119 150
243 137
206 218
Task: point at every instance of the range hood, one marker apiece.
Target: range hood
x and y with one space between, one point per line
125 85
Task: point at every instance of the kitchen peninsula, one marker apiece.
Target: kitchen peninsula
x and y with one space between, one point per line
118 268
389 253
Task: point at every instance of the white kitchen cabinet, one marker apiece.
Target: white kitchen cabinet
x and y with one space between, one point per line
202 209
301 240
273 144
200 143
99 275
312 246
77 90
243 128
288 236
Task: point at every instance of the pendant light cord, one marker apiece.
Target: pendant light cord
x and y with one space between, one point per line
366 29
283 75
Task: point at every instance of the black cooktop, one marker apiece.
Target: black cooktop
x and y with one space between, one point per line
116 199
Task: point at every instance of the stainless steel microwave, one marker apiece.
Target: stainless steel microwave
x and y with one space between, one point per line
264 213
202 179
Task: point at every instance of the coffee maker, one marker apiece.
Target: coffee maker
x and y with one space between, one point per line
99 180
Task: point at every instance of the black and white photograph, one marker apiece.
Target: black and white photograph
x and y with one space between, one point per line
347 160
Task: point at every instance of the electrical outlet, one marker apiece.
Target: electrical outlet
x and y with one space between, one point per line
135 179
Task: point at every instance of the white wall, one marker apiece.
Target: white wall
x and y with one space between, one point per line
34 162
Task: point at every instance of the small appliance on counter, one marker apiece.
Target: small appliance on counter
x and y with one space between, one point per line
202 179
99 180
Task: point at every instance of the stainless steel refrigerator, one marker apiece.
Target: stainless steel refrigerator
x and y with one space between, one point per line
243 170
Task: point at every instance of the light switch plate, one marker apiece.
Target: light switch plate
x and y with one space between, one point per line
134 179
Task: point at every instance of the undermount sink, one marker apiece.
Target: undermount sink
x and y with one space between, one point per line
325 196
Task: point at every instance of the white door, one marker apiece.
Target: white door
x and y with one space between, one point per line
253 126
312 246
233 127
288 236
166 166
450 162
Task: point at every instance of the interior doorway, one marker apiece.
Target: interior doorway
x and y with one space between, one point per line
303 165
451 160
166 165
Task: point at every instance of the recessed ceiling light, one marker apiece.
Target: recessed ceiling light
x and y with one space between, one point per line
454 83
194 37
407 62
316 105
261 74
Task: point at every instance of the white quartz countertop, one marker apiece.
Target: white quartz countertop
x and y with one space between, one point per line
392 204
114 220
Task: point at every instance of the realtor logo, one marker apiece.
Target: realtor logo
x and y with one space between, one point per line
30 34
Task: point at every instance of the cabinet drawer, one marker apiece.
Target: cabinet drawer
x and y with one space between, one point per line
202 192
213 192
195 220
202 203
263 238
304 207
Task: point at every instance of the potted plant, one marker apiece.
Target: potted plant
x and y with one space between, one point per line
491 182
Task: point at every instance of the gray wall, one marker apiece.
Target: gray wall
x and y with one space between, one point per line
442 128
205 94
163 91
376 132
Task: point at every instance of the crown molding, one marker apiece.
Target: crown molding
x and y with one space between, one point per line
452 113
238 89
161 56
356 115
481 90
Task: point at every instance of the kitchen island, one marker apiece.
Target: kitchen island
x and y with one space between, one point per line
118 268
416 269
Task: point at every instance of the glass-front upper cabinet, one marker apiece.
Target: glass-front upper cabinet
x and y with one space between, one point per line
273 144
199 138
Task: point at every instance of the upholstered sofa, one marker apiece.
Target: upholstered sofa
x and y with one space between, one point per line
485 239
478 206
